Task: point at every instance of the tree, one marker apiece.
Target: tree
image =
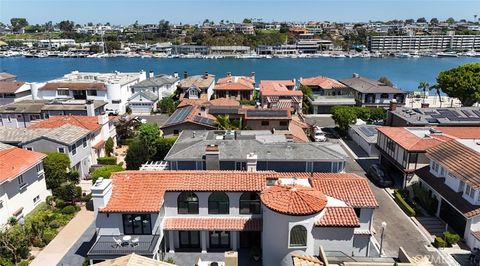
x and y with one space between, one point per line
247 21
95 49
307 93
434 21
223 122
385 81
112 45
66 25
109 146
136 155
167 105
409 21
105 171
148 134
68 192
424 86
14 243
462 82
450 20
421 20
18 23
163 147
56 167
438 92
343 117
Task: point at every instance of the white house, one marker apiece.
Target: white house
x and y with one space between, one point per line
113 88
22 182
12 91
154 212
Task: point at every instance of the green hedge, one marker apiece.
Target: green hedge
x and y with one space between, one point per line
404 205
107 160
439 242
451 237
105 171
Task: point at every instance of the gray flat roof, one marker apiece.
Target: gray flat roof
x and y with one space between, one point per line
37 106
459 116
156 81
191 146
367 132
66 134
366 85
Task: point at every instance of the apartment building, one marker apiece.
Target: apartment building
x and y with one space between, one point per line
69 139
235 87
22 182
112 88
205 211
280 94
452 178
56 43
405 43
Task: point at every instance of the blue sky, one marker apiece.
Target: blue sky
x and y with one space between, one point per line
194 11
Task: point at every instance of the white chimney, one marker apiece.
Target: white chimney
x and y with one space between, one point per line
252 162
101 193
103 121
90 106
151 74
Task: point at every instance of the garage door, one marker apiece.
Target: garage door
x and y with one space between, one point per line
453 218
141 108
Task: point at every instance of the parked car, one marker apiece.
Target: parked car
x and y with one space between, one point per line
319 135
378 176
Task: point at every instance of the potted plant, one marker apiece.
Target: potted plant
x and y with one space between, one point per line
255 252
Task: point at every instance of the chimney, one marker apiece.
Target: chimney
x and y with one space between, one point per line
175 74
425 105
90 106
150 74
229 74
231 258
355 75
206 74
252 162
185 74
203 111
252 74
212 157
393 105
101 193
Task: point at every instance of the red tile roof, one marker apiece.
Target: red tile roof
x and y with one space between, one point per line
476 234
74 86
458 159
14 161
223 102
323 82
192 102
213 224
10 86
143 191
278 88
461 132
338 217
238 83
293 200
87 122
411 142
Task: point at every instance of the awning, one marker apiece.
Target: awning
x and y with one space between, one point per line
213 224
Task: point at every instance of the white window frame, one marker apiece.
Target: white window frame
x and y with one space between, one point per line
36 200
73 148
290 231
21 183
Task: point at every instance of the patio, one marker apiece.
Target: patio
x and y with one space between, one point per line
190 258
107 248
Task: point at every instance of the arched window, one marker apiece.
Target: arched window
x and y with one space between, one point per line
298 236
249 203
218 203
187 203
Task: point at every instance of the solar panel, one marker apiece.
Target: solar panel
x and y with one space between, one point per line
476 112
468 113
179 115
369 131
204 120
223 110
432 120
267 113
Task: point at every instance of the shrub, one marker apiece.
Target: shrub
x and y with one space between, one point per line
107 160
39 243
439 242
59 203
404 205
127 141
105 171
23 263
50 200
451 237
169 260
87 198
68 209
54 224
49 235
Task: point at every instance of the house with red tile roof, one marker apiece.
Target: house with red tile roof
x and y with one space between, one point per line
403 149
200 211
452 179
280 94
101 129
327 93
196 87
235 87
22 182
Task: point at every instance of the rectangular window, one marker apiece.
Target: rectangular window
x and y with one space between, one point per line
21 182
84 142
92 92
116 101
39 168
265 123
390 145
61 149
470 191
137 224
283 123
357 211
413 157
73 149
63 93
29 148
36 199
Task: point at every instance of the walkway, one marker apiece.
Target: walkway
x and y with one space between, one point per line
56 249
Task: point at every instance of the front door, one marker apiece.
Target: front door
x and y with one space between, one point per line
189 239
219 239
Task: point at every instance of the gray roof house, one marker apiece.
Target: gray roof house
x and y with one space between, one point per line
71 140
148 92
252 150
369 92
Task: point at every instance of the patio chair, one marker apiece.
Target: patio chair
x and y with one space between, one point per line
134 242
118 242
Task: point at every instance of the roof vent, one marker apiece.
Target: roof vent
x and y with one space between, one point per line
271 181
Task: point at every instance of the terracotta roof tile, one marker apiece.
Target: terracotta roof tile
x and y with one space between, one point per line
143 191
239 83
323 82
278 87
306 260
338 217
476 234
10 86
223 102
460 160
87 122
74 86
293 200
213 224
411 142
461 132
14 161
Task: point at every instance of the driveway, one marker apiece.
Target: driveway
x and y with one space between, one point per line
76 255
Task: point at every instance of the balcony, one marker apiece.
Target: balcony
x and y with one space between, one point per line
106 248
332 100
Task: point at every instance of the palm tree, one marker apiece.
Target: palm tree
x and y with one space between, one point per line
437 89
223 122
424 86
